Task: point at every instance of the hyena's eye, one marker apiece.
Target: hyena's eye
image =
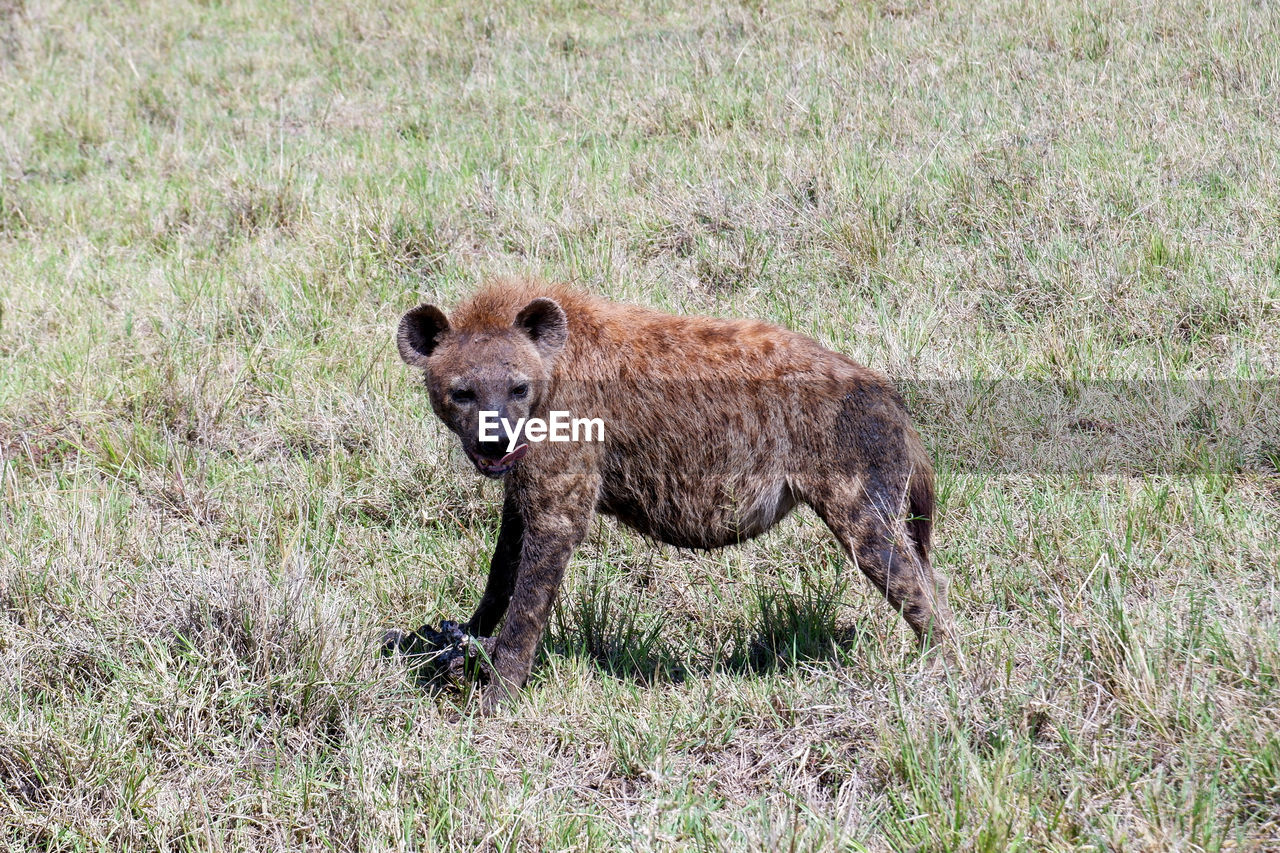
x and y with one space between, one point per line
462 396
520 391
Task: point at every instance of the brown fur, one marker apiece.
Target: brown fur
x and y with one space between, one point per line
714 430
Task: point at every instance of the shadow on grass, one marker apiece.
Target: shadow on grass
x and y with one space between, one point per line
787 628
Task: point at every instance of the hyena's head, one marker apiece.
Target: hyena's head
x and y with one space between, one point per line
486 368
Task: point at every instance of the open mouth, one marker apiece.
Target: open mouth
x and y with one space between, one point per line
498 467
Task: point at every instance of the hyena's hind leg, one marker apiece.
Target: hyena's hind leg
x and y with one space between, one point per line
880 541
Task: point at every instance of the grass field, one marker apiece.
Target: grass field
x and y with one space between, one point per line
219 485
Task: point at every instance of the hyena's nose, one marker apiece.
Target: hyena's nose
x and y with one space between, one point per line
498 441
494 448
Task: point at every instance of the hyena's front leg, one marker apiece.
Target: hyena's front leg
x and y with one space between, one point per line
557 510
502 571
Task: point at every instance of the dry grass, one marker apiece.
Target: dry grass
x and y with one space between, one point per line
219 484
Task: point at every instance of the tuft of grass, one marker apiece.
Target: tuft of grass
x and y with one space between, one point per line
617 635
795 626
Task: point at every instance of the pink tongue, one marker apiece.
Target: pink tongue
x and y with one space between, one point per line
514 455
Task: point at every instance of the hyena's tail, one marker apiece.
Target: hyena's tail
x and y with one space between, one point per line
920 500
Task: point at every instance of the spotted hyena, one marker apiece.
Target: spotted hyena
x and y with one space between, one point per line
713 430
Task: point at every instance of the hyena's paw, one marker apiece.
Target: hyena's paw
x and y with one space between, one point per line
495 697
944 662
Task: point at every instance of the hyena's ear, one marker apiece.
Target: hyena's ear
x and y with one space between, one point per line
543 320
420 331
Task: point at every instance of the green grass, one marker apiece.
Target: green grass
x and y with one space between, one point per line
219 485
